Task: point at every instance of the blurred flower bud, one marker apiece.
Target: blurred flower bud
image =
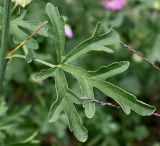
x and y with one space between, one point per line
137 58
114 5
71 2
68 31
22 3
157 5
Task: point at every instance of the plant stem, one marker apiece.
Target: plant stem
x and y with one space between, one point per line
4 40
36 60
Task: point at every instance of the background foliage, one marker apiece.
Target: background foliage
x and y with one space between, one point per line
24 118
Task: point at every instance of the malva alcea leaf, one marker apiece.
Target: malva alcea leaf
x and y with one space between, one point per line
75 122
65 102
95 43
126 100
58 29
102 73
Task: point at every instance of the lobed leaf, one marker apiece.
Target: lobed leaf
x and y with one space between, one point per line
58 29
30 25
113 69
102 73
20 36
65 102
44 74
126 100
75 122
95 43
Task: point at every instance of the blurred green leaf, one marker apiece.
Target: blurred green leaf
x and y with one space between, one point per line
154 54
1 17
17 25
3 107
141 132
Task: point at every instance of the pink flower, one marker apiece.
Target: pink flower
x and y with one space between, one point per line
68 31
114 5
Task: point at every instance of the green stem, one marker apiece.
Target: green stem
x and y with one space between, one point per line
4 40
36 60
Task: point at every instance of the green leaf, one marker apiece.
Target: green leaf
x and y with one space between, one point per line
96 43
1 17
30 25
44 74
87 92
65 102
113 69
155 51
3 107
58 29
102 73
19 35
97 29
61 89
75 122
29 54
125 99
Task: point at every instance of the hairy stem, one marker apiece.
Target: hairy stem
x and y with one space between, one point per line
4 40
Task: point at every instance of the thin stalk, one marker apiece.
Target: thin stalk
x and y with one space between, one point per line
4 40
36 60
140 55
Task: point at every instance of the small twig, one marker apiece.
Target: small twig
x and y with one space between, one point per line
112 105
157 114
26 40
103 103
139 54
